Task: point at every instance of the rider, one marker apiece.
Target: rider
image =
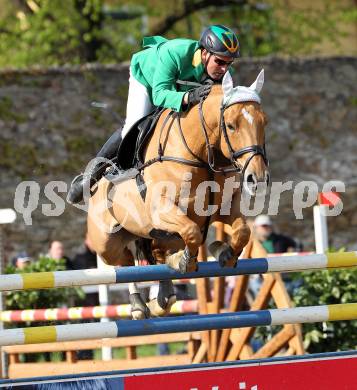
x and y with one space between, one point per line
174 74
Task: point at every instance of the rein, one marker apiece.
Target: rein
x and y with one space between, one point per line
235 166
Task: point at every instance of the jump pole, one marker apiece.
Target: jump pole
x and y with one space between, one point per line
41 280
6 216
190 323
89 312
103 294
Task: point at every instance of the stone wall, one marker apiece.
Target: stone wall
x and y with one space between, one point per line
49 130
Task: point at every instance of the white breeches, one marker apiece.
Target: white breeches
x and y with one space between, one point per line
138 104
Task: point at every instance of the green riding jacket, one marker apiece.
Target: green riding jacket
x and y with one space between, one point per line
162 64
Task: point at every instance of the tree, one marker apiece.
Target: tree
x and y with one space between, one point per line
44 32
328 287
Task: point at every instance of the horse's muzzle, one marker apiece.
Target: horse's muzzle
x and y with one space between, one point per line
256 184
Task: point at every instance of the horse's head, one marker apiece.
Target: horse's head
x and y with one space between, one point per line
242 124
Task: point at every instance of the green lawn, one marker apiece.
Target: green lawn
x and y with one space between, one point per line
142 350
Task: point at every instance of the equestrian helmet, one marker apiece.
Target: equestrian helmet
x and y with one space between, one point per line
221 40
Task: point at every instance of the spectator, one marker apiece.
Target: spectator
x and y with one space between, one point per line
271 241
56 251
83 259
21 260
276 243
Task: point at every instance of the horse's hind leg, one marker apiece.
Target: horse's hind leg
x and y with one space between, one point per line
166 297
111 247
174 222
139 310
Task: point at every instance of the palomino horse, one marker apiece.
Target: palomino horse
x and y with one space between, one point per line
195 168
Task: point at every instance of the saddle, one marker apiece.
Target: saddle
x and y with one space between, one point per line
131 149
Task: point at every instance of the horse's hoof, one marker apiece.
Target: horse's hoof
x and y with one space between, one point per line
156 308
172 299
223 253
138 315
225 257
185 267
166 291
173 260
187 262
234 260
139 310
192 266
166 302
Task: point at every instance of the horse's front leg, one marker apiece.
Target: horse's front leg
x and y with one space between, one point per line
174 221
227 254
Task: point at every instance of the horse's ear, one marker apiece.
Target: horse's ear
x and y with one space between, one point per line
258 83
227 84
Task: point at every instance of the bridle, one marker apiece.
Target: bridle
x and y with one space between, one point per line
255 150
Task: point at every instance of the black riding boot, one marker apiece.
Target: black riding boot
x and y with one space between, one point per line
108 151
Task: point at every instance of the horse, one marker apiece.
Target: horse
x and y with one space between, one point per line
194 169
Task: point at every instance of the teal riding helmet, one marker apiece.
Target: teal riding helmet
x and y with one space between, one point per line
221 40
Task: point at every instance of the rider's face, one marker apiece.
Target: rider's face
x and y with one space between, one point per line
216 65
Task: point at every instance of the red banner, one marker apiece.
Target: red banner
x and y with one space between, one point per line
335 371
326 374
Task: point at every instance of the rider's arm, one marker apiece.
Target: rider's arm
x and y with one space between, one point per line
164 93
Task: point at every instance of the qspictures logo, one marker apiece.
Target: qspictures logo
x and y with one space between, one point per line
304 194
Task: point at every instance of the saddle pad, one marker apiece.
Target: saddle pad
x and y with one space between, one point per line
135 140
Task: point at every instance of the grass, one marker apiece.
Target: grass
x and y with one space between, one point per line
142 351
118 353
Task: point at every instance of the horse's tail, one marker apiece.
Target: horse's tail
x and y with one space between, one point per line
144 251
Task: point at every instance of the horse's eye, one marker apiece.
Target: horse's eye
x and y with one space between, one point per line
230 127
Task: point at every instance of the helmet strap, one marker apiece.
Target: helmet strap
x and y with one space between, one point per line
207 59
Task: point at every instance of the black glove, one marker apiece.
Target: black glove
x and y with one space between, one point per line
199 93
208 81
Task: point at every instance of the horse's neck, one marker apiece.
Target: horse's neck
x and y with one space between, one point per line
211 111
